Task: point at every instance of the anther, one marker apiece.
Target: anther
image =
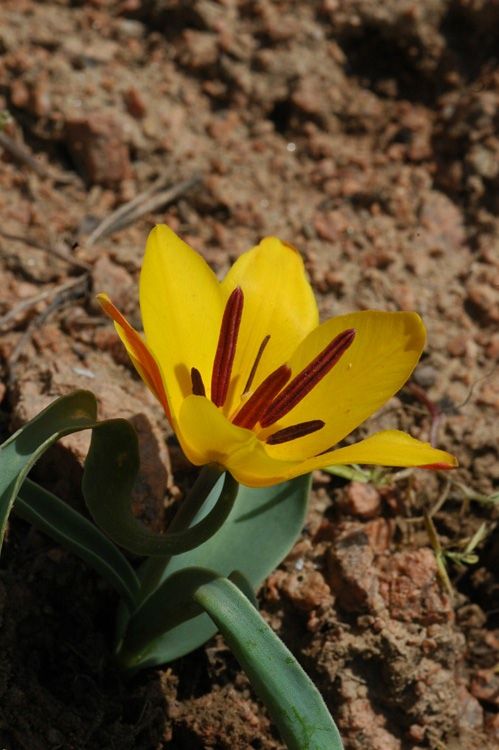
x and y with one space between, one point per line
198 388
258 357
226 348
250 413
295 431
308 378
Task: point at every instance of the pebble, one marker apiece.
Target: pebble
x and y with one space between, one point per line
425 376
97 145
362 500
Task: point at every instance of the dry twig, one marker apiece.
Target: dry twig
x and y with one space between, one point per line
35 245
22 154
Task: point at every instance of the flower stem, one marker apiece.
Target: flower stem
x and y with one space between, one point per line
154 567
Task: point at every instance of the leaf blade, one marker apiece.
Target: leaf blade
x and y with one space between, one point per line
111 468
19 453
257 535
58 520
293 701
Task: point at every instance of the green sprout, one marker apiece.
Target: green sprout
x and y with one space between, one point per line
5 118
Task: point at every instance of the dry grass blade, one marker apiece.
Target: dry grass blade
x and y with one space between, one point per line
60 292
63 296
148 200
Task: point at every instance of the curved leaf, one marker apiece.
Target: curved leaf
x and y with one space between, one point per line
110 473
71 413
110 470
68 527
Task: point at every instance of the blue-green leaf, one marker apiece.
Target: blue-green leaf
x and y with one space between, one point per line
68 527
293 701
110 472
111 468
257 535
169 606
68 414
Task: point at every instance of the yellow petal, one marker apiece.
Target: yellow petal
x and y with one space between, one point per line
385 350
207 436
278 301
142 359
181 306
387 448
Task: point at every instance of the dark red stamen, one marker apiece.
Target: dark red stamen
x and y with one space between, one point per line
436 467
307 378
258 357
198 388
295 431
250 413
226 348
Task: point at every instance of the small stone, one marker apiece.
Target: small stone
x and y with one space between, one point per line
379 532
492 350
327 227
443 222
403 295
351 574
135 103
425 376
97 145
484 161
411 589
482 303
307 589
457 346
492 725
489 395
416 732
199 49
362 500
19 93
114 280
471 712
485 686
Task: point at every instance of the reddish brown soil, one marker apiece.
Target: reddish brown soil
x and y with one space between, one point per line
366 134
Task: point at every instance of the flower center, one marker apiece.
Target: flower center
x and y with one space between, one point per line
275 396
249 414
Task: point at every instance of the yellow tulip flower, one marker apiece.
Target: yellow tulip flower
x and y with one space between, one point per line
248 377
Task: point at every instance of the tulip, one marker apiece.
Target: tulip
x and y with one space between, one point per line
251 381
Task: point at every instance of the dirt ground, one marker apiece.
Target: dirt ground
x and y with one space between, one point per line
366 134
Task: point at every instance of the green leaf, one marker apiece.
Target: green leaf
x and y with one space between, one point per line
109 476
68 414
293 701
352 473
110 471
259 532
169 606
68 527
